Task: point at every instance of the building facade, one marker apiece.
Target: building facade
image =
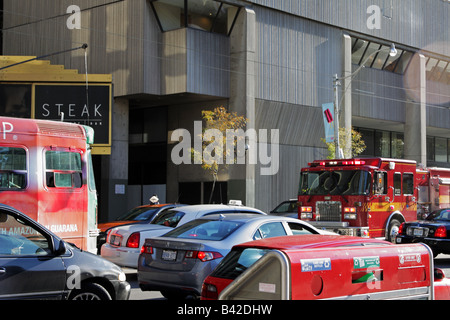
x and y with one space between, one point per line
272 61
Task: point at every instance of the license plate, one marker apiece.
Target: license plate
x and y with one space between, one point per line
418 232
169 255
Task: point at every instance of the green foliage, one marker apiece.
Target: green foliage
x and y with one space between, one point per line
222 120
358 145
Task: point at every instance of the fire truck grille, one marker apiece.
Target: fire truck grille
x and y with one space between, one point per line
328 210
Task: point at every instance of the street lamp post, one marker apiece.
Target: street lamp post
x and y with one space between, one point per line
336 84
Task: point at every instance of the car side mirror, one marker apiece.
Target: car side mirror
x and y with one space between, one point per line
60 247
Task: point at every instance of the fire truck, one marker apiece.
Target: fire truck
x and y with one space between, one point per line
46 172
369 197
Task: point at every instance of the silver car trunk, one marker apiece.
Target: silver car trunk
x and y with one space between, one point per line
171 254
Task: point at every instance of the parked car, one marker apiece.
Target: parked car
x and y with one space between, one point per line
177 263
141 214
37 264
123 243
287 208
433 231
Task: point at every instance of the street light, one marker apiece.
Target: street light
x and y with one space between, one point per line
336 83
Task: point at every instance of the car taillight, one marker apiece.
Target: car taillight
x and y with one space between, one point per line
133 240
441 232
147 249
203 255
401 228
209 291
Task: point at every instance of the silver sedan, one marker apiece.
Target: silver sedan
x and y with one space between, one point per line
177 263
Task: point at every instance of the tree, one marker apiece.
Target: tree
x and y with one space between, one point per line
358 144
215 146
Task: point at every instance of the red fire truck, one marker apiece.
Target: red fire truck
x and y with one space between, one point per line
46 172
369 197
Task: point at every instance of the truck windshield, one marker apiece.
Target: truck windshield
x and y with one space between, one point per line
338 182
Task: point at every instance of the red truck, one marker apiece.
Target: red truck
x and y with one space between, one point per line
370 197
326 267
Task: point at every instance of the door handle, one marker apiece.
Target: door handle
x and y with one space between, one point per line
2 271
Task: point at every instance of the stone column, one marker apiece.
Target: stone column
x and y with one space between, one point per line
415 111
242 96
346 105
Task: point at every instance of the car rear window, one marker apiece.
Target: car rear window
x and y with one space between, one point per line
237 261
169 218
205 230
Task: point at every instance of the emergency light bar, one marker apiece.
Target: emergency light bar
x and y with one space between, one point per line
353 162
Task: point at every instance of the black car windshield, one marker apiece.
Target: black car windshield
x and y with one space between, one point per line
237 261
204 229
337 182
443 215
138 214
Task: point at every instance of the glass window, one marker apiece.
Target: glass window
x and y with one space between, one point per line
300 229
442 214
397 184
382 144
430 148
13 168
365 52
391 63
440 148
448 150
368 136
272 229
370 54
170 13
358 49
397 145
438 70
19 239
429 69
381 57
347 182
447 78
63 169
380 183
203 229
403 62
138 214
237 261
206 15
169 218
408 183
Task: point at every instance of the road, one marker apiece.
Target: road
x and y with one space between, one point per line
442 261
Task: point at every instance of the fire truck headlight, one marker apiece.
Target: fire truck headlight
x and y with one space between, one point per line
350 216
306 213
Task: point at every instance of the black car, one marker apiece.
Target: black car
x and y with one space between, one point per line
37 264
433 231
286 208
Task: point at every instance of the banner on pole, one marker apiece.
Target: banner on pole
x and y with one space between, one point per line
328 121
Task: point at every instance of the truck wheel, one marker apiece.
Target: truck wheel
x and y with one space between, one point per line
90 291
393 230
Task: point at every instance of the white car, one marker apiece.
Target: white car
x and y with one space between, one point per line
123 243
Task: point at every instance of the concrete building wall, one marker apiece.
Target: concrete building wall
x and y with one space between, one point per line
276 68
